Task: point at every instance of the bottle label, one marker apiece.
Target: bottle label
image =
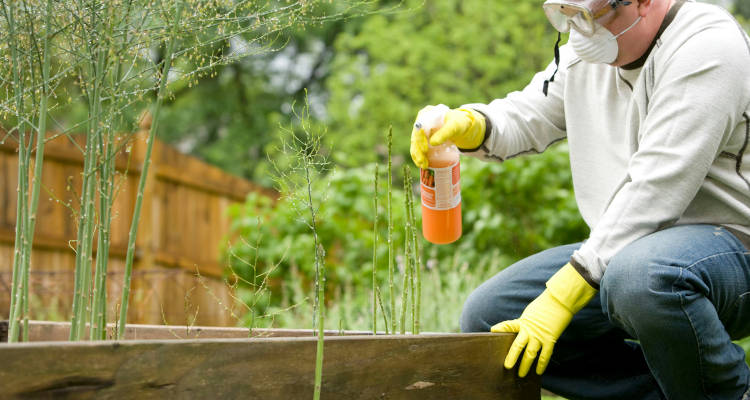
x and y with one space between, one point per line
440 187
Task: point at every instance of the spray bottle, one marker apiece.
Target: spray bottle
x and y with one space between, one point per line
439 183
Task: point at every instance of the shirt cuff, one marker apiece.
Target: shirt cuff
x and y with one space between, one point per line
588 263
491 132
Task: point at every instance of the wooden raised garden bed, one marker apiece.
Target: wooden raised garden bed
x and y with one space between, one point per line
173 362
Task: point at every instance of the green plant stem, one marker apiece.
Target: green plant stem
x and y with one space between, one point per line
105 188
99 294
412 299
405 283
416 252
92 155
391 254
319 276
375 259
320 283
407 255
21 221
382 310
106 198
83 248
16 299
144 172
36 180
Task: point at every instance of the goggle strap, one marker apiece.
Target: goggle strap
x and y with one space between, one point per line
557 65
613 4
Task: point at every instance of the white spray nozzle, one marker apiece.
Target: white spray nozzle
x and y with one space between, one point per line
431 118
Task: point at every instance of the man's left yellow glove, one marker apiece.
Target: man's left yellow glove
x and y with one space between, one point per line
545 319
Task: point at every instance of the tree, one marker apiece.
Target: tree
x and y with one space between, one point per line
230 117
448 51
742 7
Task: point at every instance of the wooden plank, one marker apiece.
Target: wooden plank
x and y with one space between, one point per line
51 331
457 366
47 331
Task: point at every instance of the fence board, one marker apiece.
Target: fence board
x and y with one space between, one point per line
181 231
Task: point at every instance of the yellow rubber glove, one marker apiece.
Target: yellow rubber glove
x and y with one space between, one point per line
464 127
545 319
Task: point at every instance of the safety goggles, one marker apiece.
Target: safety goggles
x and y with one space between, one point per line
582 15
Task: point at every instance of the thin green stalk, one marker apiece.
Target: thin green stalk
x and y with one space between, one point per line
83 247
105 189
23 173
87 251
407 255
375 259
15 282
320 284
390 231
106 196
416 253
21 221
99 294
101 164
144 172
405 284
36 180
382 309
80 293
412 299
92 153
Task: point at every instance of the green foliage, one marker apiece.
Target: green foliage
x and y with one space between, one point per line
344 227
742 8
445 285
447 51
521 206
385 68
363 74
510 210
745 344
229 117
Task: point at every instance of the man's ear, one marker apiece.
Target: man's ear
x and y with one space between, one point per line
644 6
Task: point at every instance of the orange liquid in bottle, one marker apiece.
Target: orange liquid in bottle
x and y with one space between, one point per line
441 201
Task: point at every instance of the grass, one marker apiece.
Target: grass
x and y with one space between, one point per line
445 285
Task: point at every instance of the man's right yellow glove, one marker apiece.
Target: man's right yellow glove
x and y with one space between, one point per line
464 127
545 319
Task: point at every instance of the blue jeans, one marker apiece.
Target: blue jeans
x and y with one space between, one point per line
662 326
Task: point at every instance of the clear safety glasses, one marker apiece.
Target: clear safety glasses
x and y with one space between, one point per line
582 15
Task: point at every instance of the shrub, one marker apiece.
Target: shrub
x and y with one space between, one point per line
510 210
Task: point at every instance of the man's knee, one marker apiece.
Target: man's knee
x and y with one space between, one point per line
472 316
634 289
505 295
489 304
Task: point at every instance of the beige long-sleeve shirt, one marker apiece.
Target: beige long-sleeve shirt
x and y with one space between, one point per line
650 147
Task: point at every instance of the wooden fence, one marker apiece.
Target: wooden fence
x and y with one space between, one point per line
177 277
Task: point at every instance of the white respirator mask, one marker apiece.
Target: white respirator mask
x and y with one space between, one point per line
589 39
583 19
599 48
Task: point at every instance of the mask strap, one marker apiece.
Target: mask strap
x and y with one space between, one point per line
557 65
637 20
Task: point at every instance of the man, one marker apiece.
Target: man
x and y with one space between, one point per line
653 97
